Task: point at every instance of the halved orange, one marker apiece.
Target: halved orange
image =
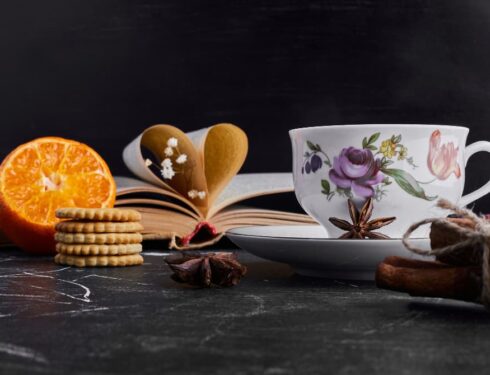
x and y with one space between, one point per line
43 175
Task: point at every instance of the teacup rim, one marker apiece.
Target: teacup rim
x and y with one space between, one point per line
353 126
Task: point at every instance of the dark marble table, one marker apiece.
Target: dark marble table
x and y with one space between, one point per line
137 320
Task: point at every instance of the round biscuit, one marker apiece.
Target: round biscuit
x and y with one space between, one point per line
98 238
94 249
98 214
99 261
73 226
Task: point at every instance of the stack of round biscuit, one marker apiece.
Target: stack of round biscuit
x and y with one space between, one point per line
98 237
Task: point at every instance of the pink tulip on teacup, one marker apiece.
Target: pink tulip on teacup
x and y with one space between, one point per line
442 159
404 168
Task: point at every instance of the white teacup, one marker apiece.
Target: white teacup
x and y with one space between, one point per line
404 168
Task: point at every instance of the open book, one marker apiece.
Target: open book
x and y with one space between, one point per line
188 187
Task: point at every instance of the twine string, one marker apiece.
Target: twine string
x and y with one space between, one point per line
479 236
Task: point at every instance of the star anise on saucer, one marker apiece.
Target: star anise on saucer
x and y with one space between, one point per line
205 270
361 226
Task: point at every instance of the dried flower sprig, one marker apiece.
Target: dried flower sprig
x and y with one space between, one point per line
196 194
169 168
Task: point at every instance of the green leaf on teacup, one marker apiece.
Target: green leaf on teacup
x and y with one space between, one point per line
407 183
385 162
396 139
326 187
313 147
368 143
373 138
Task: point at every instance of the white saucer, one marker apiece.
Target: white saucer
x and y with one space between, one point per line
310 253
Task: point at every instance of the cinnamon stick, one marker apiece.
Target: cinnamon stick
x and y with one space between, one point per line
429 279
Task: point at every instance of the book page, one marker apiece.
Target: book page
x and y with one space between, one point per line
135 162
171 159
249 185
197 165
237 215
225 150
133 158
128 185
234 211
165 224
164 205
198 138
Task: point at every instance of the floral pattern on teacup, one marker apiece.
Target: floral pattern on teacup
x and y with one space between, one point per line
367 171
442 159
356 170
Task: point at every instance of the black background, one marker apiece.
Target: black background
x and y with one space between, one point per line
102 71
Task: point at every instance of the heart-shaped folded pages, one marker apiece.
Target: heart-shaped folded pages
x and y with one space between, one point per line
197 166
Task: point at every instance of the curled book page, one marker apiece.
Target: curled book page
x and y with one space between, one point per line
198 165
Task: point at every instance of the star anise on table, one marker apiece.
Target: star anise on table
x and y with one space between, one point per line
361 226
205 270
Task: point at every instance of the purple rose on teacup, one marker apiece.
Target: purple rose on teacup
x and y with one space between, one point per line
357 170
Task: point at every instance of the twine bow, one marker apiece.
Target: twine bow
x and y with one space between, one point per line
479 236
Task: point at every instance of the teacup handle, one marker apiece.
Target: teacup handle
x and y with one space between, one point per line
485 189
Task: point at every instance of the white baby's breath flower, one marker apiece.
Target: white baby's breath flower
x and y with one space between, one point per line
181 159
168 151
172 142
167 173
148 162
166 163
201 194
192 193
167 170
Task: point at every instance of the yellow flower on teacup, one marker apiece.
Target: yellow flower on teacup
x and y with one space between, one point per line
402 154
442 159
388 148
